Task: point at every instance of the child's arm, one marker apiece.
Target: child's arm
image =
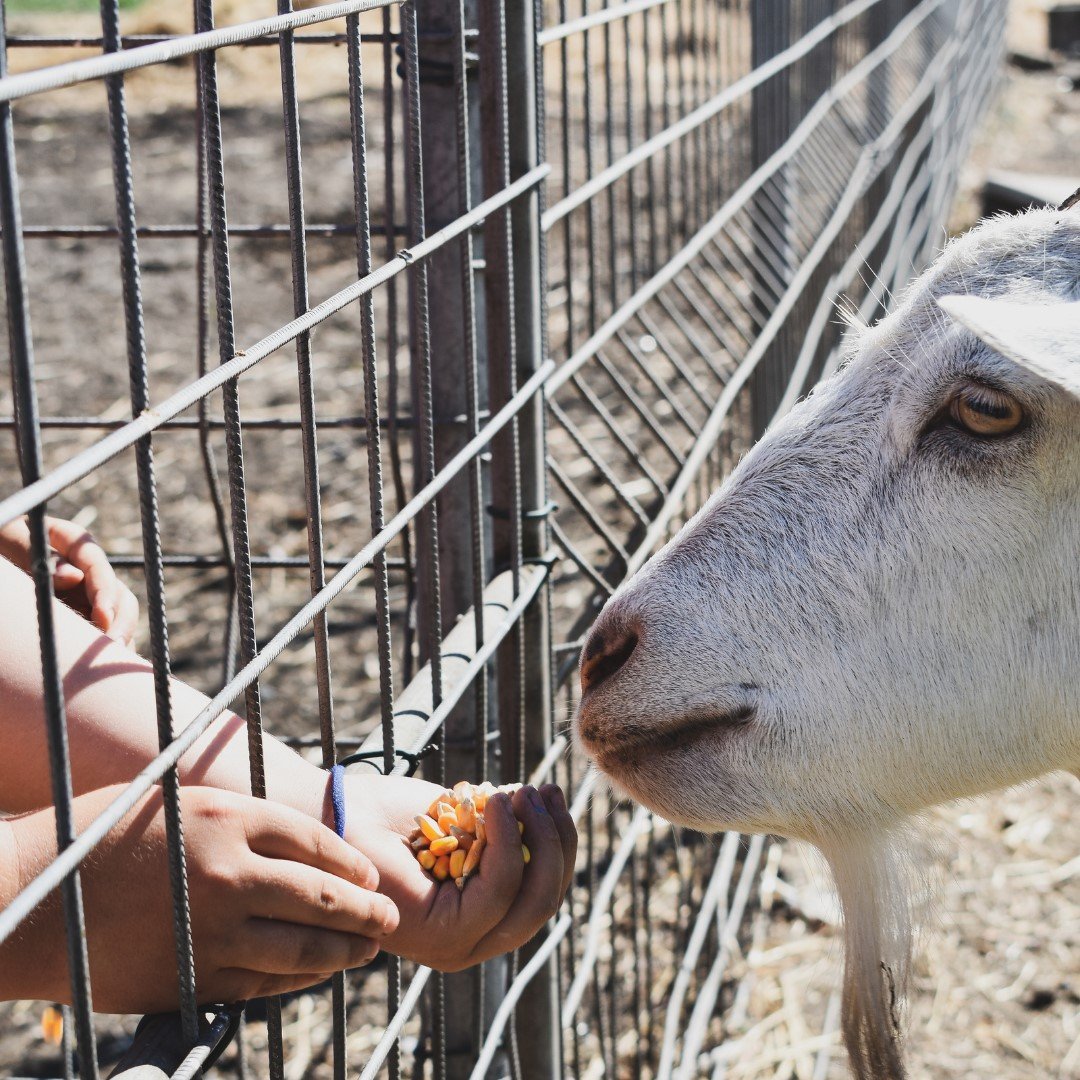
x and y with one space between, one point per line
277 902
112 734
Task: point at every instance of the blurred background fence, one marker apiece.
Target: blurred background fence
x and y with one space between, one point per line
379 342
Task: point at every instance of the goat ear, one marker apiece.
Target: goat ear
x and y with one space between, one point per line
1042 337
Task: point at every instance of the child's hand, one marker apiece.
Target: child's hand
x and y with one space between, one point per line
82 577
502 905
278 903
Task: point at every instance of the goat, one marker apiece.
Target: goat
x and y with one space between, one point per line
879 610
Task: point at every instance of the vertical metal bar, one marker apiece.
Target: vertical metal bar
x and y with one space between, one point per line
153 569
770 30
310 450
202 328
397 472
215 170
380 576
428 574
28 436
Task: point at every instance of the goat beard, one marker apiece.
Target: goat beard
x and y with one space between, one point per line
872 873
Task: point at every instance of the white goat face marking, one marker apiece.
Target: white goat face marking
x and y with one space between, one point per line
878 610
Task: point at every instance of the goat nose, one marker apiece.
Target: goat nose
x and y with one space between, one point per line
604 654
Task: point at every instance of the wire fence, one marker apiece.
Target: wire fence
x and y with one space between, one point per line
416 328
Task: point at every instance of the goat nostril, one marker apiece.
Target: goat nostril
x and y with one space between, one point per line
603 658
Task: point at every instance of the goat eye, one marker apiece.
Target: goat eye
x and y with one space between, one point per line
986 412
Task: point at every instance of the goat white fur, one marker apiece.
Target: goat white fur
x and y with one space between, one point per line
879 610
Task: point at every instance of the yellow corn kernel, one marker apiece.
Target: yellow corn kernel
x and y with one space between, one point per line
446 806
472 859
466 814
419 843
443 846
429 827
525 854
460 883
52 1025
441 869
521 828
426 859
447 821
481 828
442 797
457 863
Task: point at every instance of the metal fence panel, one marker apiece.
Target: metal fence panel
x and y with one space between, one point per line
546 269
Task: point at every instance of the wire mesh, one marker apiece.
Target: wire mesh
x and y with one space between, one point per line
573 257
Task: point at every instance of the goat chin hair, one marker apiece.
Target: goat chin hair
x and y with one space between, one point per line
872 873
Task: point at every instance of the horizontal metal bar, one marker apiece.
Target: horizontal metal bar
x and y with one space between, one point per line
63 865
133 41
704 113
78 466
739 198
597 18
251 423
258 562
324 230
58 76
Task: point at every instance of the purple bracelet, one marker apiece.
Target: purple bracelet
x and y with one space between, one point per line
337 798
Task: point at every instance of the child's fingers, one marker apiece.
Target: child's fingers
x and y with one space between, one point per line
73 542
66 575
293 893
555 801
539 894
491 891
279 948
280 832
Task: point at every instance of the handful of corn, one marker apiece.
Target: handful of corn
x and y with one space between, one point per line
450 838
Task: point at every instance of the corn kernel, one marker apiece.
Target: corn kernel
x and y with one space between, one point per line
443 846
472 859
452 835
52 1025
429 827
457 863
466 814
464 839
